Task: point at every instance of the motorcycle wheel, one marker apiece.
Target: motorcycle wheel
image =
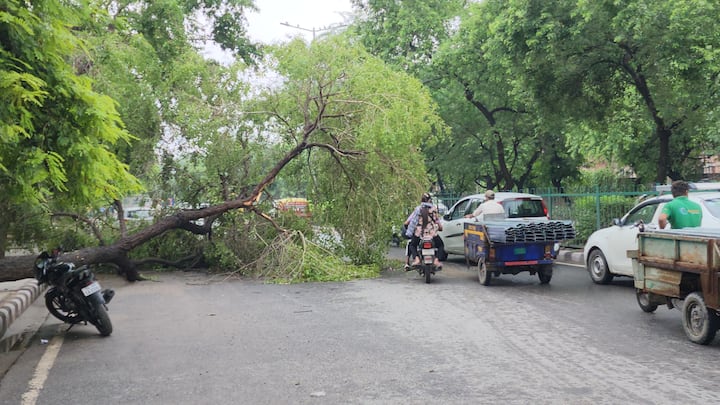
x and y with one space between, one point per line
102 321
428 273
61 306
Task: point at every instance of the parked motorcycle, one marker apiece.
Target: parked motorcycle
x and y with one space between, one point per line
395 237
74 295
428 252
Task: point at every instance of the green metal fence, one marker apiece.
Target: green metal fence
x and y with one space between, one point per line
591 211
588 209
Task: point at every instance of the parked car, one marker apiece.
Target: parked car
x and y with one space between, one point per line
139 214
606 249
520 206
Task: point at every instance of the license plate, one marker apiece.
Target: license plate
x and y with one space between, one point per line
91 289
428 252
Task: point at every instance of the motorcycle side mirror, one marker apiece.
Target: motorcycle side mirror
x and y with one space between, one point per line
41 259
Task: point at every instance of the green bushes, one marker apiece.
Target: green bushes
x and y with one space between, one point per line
587 210
292 258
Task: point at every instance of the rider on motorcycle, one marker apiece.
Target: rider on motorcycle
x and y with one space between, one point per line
424 220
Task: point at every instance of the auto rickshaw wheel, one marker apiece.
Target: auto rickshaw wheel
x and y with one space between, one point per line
545 273
484 276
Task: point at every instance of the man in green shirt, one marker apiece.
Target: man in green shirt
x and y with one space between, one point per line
680 212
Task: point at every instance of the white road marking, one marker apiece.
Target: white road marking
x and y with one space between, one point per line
42 370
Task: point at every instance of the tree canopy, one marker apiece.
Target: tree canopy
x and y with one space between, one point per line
57 134
577 81
643 77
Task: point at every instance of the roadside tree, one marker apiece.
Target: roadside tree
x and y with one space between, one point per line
56 132
498 139
642 77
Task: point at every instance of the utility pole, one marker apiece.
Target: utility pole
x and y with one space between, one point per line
313 29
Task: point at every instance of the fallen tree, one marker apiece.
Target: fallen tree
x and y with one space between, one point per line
19 267
366 121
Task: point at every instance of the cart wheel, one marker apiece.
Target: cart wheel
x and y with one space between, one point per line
545 273
643 299
700 324
484 275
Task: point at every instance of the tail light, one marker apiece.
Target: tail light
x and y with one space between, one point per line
427 245
545 210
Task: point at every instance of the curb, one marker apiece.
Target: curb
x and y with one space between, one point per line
17 301
571 256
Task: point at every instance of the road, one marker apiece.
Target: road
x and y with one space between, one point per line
190 339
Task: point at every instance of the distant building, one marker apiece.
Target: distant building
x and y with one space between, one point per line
711 167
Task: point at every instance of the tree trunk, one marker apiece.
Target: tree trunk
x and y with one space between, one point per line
507 178
121 216
18 267
3 239
664 158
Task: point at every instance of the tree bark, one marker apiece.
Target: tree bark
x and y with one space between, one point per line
662 131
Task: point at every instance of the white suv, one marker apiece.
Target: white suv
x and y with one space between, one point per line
519 206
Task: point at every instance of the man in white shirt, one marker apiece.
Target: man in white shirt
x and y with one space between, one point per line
489 206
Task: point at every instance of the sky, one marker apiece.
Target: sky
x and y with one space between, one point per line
305 16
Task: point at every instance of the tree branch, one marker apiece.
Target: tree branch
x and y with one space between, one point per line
87 221
193 259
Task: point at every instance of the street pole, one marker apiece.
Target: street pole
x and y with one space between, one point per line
313 29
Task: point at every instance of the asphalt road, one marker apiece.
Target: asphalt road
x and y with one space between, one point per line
189 339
